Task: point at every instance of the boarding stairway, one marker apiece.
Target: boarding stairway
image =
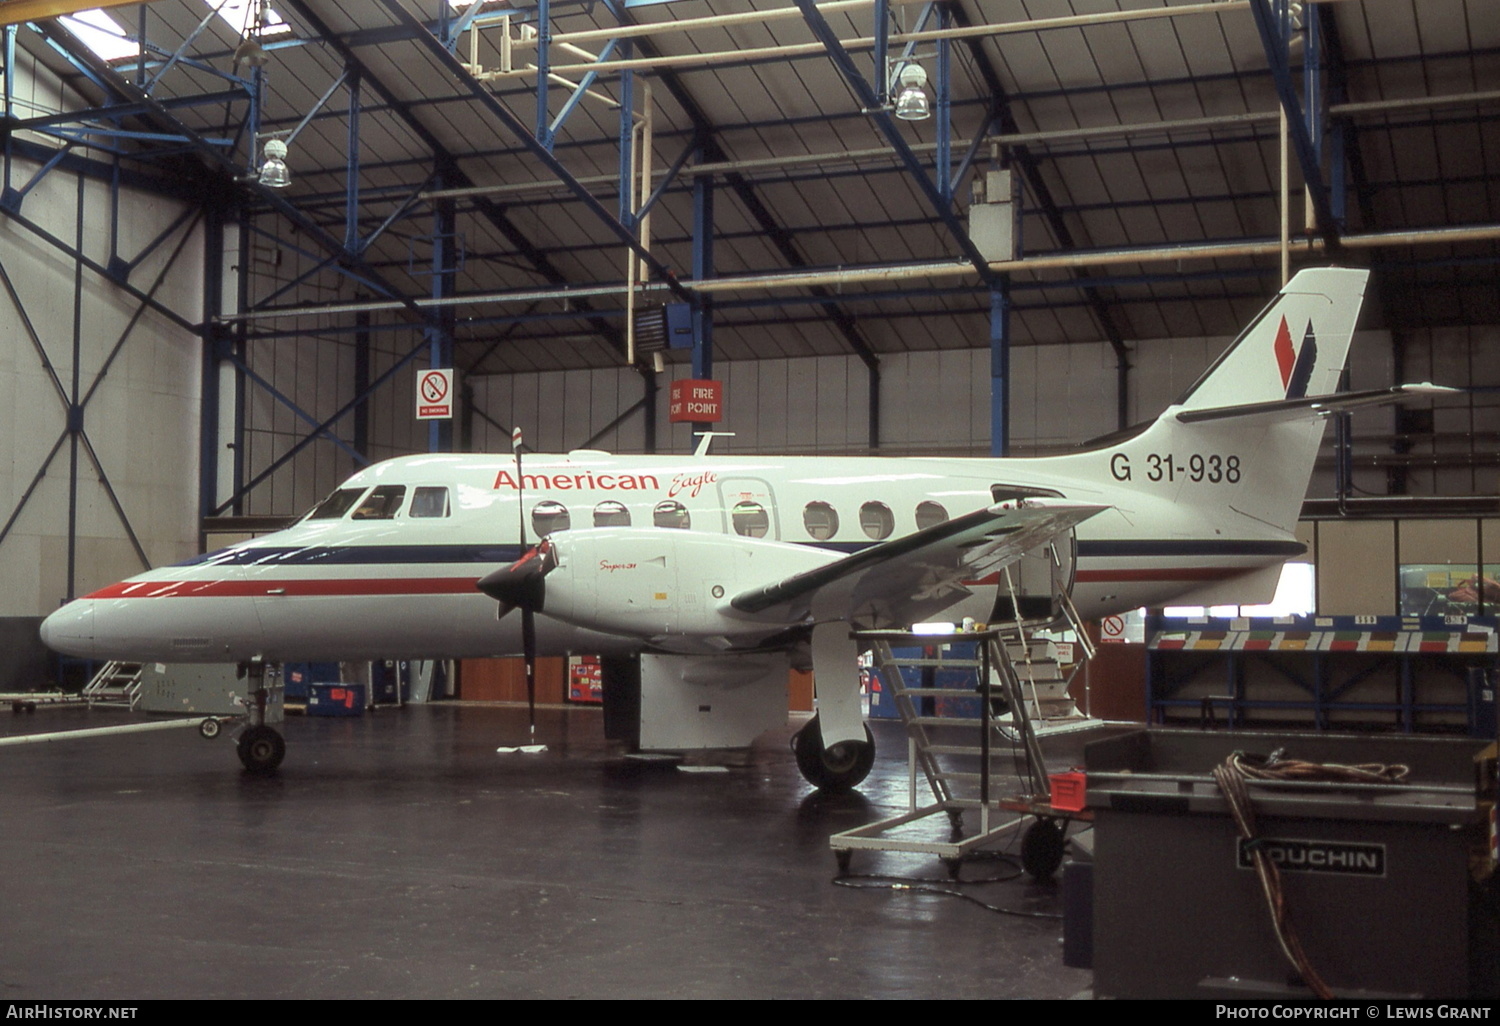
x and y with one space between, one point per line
116 684
973 716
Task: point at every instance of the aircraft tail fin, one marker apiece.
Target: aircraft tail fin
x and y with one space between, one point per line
1246 434
1294 349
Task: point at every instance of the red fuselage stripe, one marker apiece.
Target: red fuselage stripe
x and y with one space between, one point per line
372 586
294 587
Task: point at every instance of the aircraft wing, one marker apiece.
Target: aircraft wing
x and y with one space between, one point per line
1321 405
913 578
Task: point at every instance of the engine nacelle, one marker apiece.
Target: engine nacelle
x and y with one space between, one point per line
658 584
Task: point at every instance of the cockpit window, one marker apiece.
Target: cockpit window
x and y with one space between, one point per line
336 505
381 504
429 501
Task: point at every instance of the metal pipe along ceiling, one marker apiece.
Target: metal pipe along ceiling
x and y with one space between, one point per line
946 269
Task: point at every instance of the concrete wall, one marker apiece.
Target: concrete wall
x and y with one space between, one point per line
142 417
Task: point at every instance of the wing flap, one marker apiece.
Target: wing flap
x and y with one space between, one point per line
912 578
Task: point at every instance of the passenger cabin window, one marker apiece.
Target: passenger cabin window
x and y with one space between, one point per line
336 505
750 519
381 504
429 501
550 516
877 520
671 514
821 521
930 514
611 514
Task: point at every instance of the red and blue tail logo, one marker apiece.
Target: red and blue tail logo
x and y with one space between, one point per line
1296 365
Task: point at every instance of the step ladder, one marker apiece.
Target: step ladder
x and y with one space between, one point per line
972 724
116 684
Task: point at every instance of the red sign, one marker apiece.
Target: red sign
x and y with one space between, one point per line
696 402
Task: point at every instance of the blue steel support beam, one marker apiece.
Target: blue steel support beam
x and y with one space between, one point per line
1047 206
944 92
10 199
703 269
773 230
498 110
352 241
440 335
119 88
544 68
584 85
1275 41
627 145
323 425
359 458
942 206
215 341
1000 368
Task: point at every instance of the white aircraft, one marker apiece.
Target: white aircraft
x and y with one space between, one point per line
721 572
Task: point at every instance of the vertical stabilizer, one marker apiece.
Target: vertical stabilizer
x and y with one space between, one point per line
1294 349
1251 462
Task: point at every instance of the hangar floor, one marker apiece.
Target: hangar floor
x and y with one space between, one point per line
398 855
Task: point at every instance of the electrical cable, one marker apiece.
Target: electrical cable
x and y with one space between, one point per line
1233 776
944 888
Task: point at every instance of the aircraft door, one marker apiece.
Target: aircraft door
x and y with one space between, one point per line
749 507
1040 575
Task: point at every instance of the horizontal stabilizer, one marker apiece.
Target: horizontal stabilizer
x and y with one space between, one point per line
1321 405
909 579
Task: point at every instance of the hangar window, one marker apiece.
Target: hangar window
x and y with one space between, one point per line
549 516
930 514
381 504
877 520
750 519
611 514
336 505
429 501
671 514
821 521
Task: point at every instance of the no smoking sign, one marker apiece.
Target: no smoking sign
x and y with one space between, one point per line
435 394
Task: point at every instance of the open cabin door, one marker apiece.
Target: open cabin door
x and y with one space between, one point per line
1040 576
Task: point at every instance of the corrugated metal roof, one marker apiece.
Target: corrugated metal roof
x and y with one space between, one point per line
1115 166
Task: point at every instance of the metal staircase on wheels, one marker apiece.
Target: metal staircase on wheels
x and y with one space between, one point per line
974 705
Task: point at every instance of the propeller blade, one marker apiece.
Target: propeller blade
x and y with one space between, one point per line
520 586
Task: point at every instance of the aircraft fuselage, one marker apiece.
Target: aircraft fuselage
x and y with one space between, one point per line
393 574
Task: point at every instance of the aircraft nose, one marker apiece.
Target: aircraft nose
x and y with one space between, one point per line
70 630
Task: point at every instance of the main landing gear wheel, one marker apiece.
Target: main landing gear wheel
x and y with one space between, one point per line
1042 848
835 769
261 749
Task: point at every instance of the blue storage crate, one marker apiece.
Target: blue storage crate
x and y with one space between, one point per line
336 699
